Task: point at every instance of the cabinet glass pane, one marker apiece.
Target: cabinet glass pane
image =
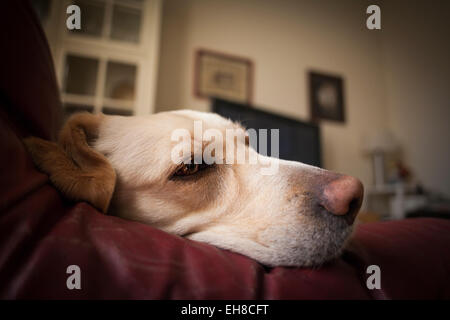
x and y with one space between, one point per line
92 16
117 111
120 81
80 75
126 24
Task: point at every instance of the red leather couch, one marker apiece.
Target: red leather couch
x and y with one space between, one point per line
41 234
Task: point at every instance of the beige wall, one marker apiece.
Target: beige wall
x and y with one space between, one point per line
285 38
416 49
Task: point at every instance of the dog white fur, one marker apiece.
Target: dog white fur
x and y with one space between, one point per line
274 219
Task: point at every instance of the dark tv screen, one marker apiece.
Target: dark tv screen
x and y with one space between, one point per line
299 140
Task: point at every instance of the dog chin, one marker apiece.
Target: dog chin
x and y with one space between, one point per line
313 245
308 244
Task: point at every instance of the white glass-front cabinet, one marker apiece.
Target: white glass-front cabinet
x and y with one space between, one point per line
110 64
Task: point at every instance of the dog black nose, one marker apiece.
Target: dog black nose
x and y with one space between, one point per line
343 197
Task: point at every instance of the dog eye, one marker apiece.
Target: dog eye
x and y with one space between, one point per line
189 169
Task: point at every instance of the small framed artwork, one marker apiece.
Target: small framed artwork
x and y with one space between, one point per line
326 97
224 76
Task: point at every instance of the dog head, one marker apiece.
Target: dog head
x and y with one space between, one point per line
298 216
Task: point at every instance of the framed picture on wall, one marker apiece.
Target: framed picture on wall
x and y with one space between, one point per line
224 76
326 97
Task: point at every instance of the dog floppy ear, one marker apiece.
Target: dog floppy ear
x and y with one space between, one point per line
77 170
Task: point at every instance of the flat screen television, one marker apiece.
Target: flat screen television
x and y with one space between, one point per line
299 140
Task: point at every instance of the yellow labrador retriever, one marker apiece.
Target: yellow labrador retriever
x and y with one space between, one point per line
299 216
